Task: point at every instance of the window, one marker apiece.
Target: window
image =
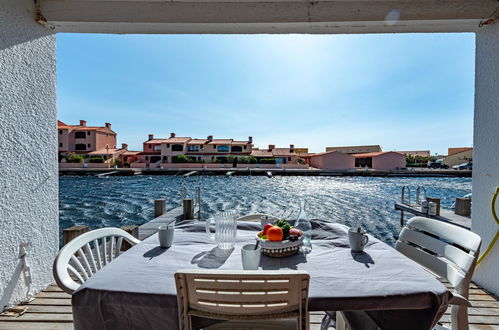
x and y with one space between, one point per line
165 159
60 144
147 157
88 145
193 148
237 149
79 135
60 131
244 147
150 146
168 146
177 147
88 133
156 148
289 159
223 148
80 146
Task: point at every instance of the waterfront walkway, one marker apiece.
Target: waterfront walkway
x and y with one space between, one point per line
422 172
51 310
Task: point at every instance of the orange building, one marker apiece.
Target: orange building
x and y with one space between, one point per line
85 139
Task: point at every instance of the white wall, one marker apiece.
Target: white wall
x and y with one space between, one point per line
486 150
28 149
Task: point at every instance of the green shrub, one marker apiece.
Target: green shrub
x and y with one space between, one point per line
99 159
252 160
185 159
417 161
243 160
116 162
301 161
74 158
180 159
267 161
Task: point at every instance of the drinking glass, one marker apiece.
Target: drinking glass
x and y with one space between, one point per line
225 229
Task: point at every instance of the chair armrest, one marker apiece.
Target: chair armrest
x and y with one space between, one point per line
457 299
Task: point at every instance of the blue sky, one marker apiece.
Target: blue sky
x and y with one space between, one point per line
402 91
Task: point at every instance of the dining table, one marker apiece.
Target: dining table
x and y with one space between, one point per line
137 289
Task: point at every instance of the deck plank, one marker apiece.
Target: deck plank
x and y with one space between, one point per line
49 309
39 317
51 302
35 326
53 295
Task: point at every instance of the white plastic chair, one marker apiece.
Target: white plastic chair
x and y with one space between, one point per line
243 298
86 254
256 217
447 251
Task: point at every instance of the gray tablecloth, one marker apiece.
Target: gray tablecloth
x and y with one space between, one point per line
137 290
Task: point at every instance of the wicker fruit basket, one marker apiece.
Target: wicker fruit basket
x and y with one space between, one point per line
278 249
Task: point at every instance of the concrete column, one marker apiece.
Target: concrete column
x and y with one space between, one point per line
28 152
486 150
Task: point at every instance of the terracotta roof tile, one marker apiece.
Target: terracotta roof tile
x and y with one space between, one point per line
221 141
61 125
156 141
197 141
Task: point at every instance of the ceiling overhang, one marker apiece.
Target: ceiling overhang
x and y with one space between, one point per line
286 16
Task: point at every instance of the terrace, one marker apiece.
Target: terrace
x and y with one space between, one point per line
28 117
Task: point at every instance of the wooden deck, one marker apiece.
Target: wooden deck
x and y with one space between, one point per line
51 310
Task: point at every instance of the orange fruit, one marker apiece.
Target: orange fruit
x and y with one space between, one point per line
275 233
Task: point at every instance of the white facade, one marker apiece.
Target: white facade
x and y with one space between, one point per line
486 151
28 151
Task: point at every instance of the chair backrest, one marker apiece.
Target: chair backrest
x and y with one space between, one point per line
242 295
256 217
447 250
86 254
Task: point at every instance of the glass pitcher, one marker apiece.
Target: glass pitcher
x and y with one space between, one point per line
225 229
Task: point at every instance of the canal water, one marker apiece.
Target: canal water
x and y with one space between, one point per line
365 201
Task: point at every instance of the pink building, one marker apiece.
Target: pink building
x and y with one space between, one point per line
85 139
159 151
389 160
331 160
281 155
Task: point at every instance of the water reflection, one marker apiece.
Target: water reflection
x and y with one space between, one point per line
354 201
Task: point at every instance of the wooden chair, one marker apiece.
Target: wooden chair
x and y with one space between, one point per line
447 251
86 254
243 298
255 217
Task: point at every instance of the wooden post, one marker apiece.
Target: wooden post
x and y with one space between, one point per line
70 233
188 209
132 230
436 201
159 207
463 206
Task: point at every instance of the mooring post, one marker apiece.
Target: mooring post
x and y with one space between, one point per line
463 206
72 232
132 230
188 213
159 207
